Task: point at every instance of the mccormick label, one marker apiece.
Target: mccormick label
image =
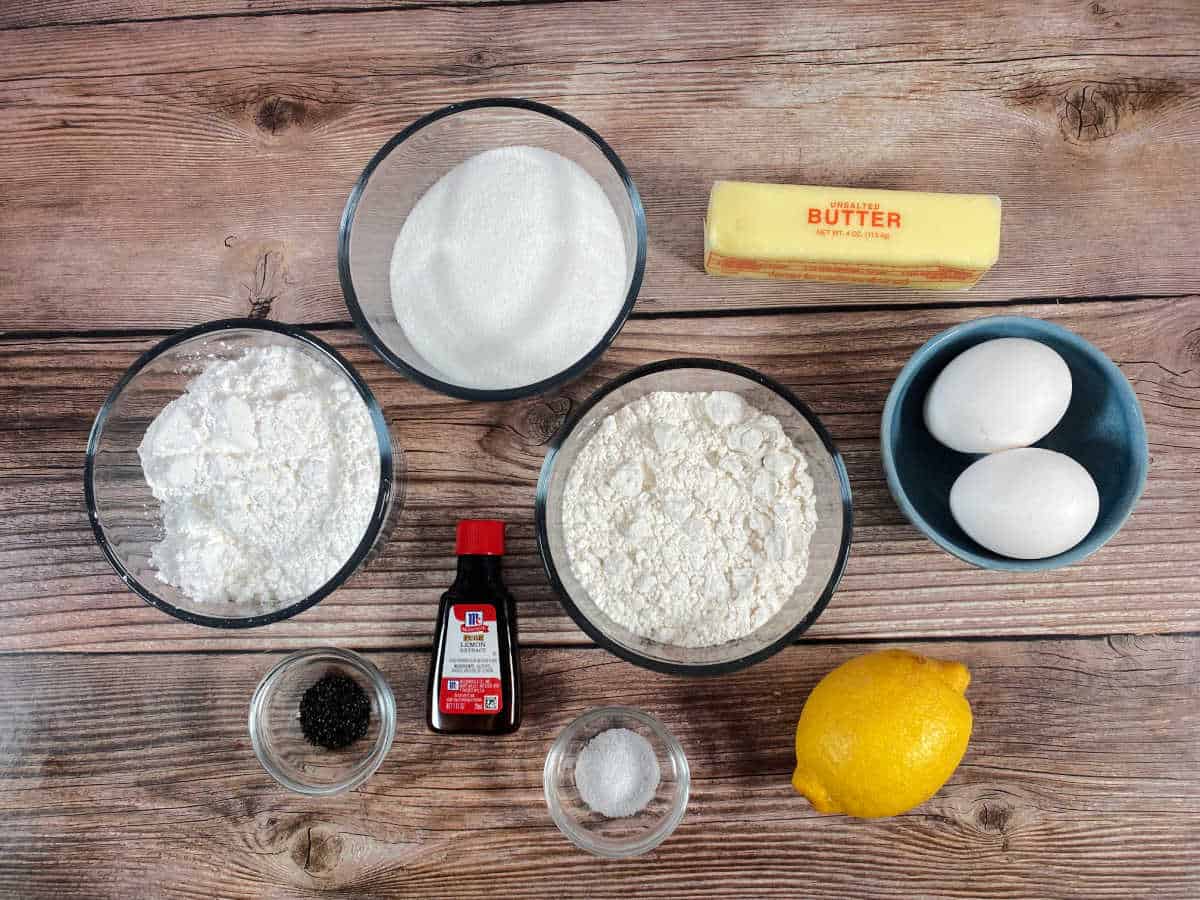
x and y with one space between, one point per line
471 666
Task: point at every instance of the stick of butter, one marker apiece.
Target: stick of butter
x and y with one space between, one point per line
905 238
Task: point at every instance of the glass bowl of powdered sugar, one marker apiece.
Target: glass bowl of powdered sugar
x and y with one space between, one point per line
616 782
694 516
239 472
493 249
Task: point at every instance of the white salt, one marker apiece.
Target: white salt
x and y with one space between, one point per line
617 773
509 269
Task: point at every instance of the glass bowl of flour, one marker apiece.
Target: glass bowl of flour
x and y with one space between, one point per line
694 516
240 472
493 249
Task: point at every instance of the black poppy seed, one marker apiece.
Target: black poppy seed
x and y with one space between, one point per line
334 712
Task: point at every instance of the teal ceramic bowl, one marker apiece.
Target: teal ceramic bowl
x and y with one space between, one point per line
1102 429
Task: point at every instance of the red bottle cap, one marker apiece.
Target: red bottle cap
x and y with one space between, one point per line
480 537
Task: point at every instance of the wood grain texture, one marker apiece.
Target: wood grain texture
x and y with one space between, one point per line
46 13
134 776
483 459
166 163
163 173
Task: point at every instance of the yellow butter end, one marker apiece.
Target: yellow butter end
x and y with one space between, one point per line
900 238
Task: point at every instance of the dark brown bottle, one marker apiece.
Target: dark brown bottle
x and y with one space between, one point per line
475 673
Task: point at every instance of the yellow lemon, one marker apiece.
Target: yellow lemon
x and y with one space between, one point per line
882 733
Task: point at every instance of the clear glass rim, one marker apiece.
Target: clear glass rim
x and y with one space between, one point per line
658 665
445 387
383 496
656 835
385 700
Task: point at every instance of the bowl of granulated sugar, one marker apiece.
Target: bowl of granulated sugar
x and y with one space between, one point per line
493 249
616 782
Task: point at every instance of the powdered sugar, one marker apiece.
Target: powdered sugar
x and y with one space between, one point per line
509 269
266 470
687 517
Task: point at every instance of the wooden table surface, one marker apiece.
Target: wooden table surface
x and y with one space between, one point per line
168 162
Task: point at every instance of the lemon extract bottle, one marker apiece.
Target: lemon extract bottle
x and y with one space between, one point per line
475 672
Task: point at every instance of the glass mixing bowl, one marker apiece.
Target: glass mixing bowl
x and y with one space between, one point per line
597 833
411 162
124 514
280 744
828 549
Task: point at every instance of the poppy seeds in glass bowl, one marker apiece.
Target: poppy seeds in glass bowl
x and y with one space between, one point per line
334 712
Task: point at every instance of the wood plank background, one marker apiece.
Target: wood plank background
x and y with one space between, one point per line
163 164
40 13
197 168
1083 752
468 458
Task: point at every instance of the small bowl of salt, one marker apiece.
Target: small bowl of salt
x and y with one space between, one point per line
616 782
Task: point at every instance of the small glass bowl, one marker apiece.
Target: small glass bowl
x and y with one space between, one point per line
596 833
279 743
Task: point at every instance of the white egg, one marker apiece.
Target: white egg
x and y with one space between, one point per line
1003 393
1027 503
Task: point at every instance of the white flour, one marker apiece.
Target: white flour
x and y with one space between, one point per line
267 470
687 517
509 269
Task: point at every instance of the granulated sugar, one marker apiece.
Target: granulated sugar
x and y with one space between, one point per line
687 517
509 269
617 773
266 470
